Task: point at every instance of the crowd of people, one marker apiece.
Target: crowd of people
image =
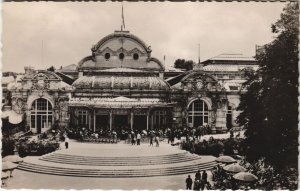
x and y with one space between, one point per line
123 132
200 182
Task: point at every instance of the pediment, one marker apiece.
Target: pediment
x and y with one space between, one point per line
107 50
135 50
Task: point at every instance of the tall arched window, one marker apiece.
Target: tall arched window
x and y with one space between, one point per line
41 114
198 113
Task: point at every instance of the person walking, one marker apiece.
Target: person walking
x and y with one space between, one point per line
151 139
189 183
204 179
196 184
66 142
138 139
157 141
133 139
198 175
129 138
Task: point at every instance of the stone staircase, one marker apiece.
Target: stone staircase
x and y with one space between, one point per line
118 167
119 161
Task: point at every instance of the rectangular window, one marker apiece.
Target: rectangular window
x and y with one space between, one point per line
159 118
44 121
49 119
205 119
231 76
82 118
190 119
233 87
32 121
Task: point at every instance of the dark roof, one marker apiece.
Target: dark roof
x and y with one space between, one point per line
68 79
230 58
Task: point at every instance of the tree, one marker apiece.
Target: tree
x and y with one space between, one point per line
183 64
51 68
270 106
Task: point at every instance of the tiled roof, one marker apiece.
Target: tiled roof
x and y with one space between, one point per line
233 57
227 68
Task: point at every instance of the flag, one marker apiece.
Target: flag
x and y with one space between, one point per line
123 20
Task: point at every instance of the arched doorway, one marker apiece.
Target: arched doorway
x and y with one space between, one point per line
198 113
41 114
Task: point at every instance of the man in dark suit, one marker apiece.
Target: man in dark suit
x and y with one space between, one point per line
189 183
204 180
198 175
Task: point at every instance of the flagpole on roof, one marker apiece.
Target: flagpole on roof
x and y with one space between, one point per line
199 53
123 20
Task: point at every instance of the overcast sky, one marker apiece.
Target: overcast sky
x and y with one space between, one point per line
68 30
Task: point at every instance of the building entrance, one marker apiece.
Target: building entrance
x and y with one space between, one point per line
102 122
140 122
120 121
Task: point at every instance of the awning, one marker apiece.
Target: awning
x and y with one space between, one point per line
5 114
119 102
12 116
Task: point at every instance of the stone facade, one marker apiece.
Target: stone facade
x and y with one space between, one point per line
120 84
43 85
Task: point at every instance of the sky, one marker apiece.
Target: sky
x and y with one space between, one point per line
44 34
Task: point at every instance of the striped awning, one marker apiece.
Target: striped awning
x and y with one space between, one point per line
119 102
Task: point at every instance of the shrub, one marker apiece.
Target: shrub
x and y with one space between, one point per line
8 146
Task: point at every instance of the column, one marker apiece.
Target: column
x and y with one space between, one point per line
94 120
152 121
147 120
131 120
221 120
90 116
110 120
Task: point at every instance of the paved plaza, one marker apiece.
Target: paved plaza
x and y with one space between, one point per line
31 180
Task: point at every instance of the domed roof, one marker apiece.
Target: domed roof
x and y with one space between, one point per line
120 50
122 39
121 82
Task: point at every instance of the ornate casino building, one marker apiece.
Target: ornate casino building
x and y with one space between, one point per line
120 85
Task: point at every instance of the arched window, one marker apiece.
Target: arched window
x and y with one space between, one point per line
107 56
198 113
121 56
41 114
135 56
